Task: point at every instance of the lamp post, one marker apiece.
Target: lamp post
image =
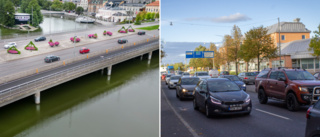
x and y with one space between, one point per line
50 23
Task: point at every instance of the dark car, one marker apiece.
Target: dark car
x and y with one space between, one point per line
220 96
236 80
122 41
224 73
40 39
84 50
185 87
51 58
141 33
248 77
313 121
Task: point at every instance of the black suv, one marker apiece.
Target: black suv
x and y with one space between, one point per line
51 58
122 41
40 39
141 33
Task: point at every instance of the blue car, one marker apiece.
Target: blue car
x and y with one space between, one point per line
236 80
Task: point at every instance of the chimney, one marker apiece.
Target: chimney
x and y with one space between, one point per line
296 20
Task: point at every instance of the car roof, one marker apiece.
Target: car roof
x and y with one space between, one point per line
189 77
83 48
218 79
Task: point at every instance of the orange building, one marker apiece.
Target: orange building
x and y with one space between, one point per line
153 7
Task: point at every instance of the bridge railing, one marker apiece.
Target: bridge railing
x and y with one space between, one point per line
48 81
18 75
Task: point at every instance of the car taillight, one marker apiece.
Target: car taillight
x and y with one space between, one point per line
245 78
210 74
308 113
255 77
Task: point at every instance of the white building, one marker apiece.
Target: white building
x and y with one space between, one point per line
83 4
133 7
115 14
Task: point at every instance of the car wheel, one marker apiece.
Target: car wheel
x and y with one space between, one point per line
292 103
208 113
263 99
195 105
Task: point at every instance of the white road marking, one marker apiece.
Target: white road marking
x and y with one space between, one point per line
180 117
273 114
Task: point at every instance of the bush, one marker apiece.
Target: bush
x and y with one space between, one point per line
51 44
122 30
50 40
13 50
56 43
95 36
78 40
109 33
31 46
137 23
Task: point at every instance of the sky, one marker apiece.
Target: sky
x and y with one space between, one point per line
207 21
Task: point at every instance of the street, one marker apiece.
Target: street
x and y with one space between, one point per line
178 118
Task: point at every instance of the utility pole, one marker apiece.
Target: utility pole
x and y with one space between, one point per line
50 22
279 28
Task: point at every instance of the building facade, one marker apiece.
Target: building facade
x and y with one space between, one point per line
83 4
153 7
95 5
115 14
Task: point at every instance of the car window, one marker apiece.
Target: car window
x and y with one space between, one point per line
232 78
222 86
204 86
273 75
317 105
263 74
299 75
281 75
174 78
190 81
202 74
250 74
316 75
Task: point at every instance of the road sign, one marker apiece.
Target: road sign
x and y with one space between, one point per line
189 54
199 54
208 54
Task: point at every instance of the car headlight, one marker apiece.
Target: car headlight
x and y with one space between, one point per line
184 90
215 101
304 89
317 91
247 99
244 85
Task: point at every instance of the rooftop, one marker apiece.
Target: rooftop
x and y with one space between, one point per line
295 26
21 14
297 49
156 3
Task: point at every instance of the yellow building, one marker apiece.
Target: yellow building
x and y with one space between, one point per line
153 7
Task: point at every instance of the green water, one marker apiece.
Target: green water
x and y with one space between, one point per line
92 106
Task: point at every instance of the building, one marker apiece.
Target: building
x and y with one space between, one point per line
22 18
153 7
83 4
134 8
95 5
115 14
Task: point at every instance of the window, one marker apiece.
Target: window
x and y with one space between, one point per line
303 36
263 74
281 75
307 63
316 75
283 37
273 75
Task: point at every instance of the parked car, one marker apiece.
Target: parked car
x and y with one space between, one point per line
42 38
236 80
313 121
84 50
220 96
295 86
9 45
185 74
185 87
51 58
248 77
214 73
316 76
179 73
202 75
168 78
224 73
141 33
173 81
122 41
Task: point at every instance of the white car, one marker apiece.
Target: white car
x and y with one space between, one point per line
173 81
202 75
168 78
9 45
214 73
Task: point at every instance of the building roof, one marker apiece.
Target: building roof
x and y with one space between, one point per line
119 14
297 49
288 27
21 14
156 3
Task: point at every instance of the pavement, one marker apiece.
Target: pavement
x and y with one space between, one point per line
266 120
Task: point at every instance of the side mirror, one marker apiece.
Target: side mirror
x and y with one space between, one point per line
281 79
202 92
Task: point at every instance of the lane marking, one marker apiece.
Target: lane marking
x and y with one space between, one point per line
180 117
273 114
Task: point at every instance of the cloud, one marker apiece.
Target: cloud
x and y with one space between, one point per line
182 55
223 19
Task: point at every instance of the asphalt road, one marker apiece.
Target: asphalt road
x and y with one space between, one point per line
34 62
178 118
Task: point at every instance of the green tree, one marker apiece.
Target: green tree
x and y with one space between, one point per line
24 5
258 44
149 16
2 11
315 43
200 62
69 6
9 15
139 17
37 16
56 5
157 15
47 5
16 3
235 46
213 47
79 10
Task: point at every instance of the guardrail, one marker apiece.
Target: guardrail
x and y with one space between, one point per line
31 87
8 78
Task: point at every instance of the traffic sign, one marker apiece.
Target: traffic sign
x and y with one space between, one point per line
199 54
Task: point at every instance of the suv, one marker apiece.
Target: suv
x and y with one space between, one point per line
295 86
224 73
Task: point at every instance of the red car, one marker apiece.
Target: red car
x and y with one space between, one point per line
84 50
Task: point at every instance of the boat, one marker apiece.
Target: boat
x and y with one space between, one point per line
85 20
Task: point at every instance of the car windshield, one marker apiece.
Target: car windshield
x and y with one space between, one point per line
299 75
251 74
186 74
222 86
174 77
189 81
180 73
168 76
202 74
232 78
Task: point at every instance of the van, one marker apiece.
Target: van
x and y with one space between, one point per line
214 73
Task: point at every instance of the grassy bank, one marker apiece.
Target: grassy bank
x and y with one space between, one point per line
150 27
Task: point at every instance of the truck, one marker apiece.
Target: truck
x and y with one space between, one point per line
170 70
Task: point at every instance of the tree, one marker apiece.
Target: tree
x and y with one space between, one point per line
2 11
37 16
56 5
213 47
235 46
9 15
69 6
157 15
149 16
139 17
24 5
16 2
225 54
47 5
315 43
79 10
258 44
200 62
163 54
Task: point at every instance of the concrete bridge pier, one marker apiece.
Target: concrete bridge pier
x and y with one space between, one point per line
141 57
37 97
102 70
150 55
109 70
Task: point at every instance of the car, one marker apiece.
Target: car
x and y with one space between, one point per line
84 50
236 80
51 58
9 45
179 73
42 38
248 77
122 41
168 78
313 121
295 86
214 73
141 33
220 96
202 75
185 87
316 75
224 73
173 81
185 74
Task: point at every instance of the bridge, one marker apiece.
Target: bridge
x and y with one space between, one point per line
32 82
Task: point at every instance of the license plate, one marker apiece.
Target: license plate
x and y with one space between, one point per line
235 108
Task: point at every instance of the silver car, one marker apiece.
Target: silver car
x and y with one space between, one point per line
313 121
202 75
168 78
185 74
173 81
9 45
248 77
